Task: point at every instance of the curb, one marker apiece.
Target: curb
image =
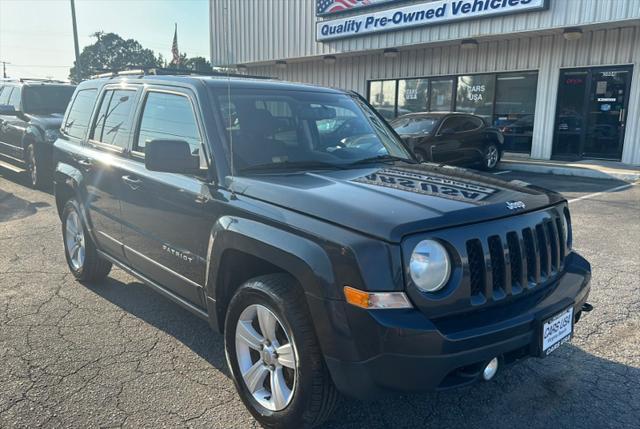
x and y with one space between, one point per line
592 173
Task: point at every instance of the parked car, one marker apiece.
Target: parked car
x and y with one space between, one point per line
328 257
451 138
30 117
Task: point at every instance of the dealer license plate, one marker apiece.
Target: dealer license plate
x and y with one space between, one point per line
556 331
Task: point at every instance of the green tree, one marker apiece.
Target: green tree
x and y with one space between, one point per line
199 64
112 52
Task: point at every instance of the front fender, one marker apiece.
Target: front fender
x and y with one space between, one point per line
302 258
69 180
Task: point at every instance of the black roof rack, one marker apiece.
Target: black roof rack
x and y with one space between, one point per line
164 71
31 79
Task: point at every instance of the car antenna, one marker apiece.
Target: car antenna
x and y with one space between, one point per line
228 46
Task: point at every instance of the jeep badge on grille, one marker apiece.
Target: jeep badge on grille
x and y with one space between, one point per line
515 205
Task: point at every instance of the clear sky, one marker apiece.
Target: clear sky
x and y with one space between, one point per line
36 36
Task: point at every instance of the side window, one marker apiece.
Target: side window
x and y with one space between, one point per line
79 113
113 122
462 123
5 91
14 100
169 117
454 123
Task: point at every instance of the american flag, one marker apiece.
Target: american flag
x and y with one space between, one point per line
331 6
174 47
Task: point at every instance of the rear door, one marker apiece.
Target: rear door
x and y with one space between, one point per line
448 145
168 217
12 128
103 159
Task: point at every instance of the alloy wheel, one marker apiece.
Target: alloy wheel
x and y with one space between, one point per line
74 238
266 357
491 157
32 166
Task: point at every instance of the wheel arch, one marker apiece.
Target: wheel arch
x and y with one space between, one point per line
238 250
68 182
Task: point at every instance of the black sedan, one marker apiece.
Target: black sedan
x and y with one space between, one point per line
451 138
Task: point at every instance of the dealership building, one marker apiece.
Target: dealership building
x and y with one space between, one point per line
560 78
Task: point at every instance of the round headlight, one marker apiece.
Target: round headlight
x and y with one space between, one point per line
430 266
51 135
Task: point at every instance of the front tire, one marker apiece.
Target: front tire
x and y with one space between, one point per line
36 170
80 251
274 356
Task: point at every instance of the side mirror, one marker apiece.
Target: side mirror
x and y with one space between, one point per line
447 132
170 156
8 110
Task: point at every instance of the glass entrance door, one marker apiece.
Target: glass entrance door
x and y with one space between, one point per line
592 112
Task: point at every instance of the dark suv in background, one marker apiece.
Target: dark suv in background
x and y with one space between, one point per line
329 258
30 117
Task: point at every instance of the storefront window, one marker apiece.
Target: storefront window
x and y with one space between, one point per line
382 96
441 95
515 108
475 94
413 95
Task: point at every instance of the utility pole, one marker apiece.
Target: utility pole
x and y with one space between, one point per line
75 33
4 68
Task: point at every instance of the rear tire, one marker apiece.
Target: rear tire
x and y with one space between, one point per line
310 395
491 157
80 251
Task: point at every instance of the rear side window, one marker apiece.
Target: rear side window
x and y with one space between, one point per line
114 117
5 92
462 123
79 113
168 117
14 100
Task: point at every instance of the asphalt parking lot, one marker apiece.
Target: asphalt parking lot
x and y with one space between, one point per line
118 355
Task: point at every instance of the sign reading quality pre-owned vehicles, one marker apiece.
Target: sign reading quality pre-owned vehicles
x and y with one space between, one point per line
436 12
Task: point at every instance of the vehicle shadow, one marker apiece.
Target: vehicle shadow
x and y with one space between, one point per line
13 207
138 300
560 391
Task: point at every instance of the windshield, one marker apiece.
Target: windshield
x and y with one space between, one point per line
415 124
289 129
46 98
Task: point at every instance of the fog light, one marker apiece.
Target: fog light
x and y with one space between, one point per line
490 370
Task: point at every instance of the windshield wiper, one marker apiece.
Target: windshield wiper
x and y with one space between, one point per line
382 158
292 165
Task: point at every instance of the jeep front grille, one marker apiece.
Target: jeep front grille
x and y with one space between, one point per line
509 263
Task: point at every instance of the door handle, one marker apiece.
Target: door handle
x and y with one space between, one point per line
85 163
132 182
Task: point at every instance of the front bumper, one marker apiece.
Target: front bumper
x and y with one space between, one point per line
402 350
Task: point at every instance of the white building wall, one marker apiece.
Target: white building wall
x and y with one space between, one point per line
252 31
546 53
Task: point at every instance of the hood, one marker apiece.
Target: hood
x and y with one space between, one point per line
46 121
392 201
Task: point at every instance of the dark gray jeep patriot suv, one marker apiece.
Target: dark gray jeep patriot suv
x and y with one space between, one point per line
295 221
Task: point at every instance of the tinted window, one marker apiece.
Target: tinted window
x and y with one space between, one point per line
113 121
14 99
79 113
46 98
461 123
168 117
